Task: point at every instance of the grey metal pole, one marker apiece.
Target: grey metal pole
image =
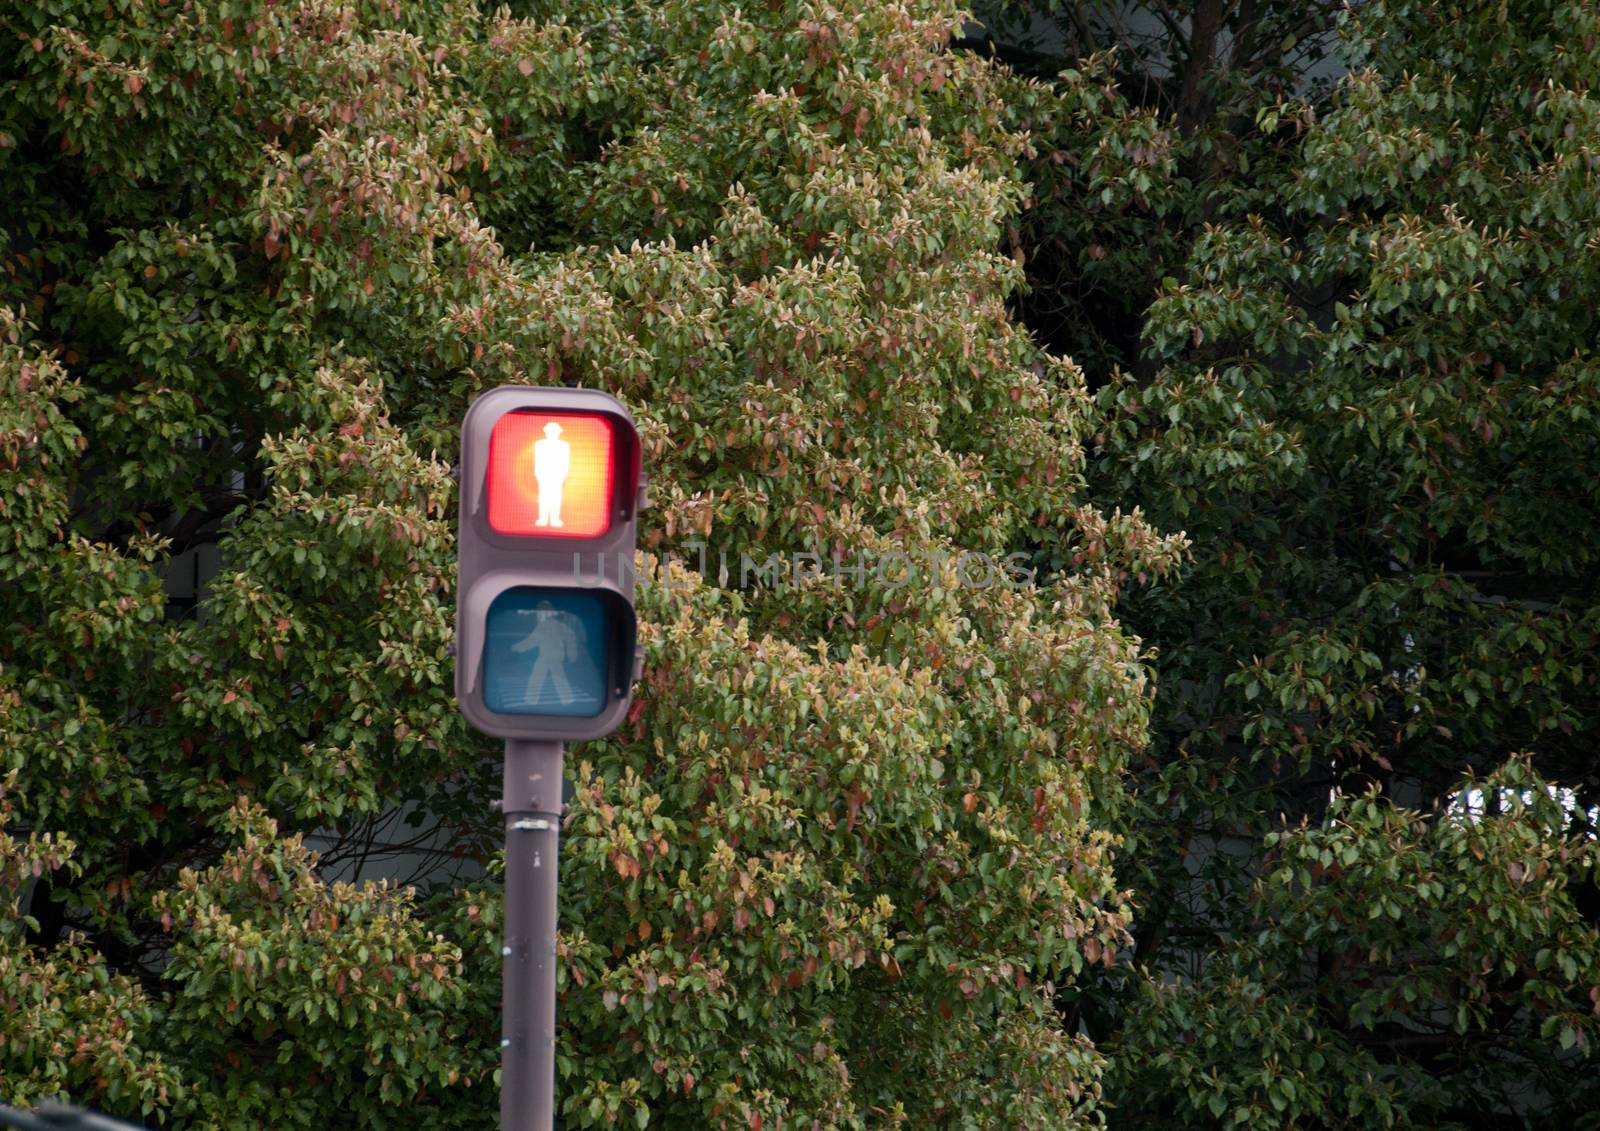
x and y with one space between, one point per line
532 805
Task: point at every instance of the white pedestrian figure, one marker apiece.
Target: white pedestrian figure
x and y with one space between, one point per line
558 646
552 459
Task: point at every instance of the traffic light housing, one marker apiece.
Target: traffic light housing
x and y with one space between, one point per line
546 637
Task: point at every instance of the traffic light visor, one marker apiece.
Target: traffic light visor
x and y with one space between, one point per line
550 475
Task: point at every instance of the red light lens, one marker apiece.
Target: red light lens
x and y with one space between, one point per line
550 475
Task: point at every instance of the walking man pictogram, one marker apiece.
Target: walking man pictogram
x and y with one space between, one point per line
557 645
552 459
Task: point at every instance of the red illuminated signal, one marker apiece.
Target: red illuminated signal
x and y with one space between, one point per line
550 475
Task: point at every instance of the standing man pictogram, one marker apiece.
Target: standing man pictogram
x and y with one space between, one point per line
552 459
558 646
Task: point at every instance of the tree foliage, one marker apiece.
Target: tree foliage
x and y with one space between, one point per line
1341 321
853 839
866 852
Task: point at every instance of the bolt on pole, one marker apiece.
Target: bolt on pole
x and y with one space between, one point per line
532 805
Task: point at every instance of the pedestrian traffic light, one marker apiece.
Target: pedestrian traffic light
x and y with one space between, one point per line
546 640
